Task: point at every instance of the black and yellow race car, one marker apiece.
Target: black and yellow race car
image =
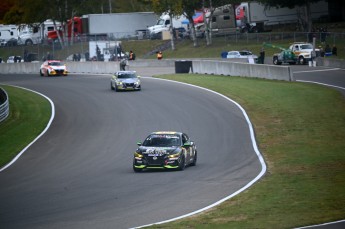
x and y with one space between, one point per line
165 150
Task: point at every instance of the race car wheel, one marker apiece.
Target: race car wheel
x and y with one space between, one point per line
41 74
111 86
182 164
301 60
47 73
276 61
194 159
137 170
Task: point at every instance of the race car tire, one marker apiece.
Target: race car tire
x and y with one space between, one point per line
194 159
111 86
276 61
182 164
41 74
301 60
137 170
47 73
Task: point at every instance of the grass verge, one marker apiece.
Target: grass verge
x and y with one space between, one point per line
29 115
300 132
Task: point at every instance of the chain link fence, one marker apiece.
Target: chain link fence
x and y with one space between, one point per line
81 44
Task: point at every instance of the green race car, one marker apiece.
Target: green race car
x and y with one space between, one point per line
165 150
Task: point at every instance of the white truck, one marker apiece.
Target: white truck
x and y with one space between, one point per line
164 24
8 35
259 15
36 33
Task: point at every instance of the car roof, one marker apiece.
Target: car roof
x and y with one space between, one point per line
119 72
166 132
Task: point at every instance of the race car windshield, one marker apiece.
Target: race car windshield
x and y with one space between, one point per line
162 140
245 53
308 46
54 63
126 76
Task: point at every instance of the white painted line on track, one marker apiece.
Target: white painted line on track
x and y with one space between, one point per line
328 85
260 157
40 135
320 225
319 70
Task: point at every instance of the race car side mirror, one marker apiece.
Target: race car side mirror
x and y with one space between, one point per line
187 144
139 143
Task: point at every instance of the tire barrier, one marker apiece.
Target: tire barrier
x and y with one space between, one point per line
4 105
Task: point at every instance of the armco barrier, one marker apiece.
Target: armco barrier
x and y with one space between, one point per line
242 69
4 105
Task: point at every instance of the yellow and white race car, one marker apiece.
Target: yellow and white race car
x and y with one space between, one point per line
125 81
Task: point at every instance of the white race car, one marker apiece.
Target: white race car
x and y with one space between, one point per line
53 68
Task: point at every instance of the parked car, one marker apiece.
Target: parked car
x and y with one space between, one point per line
10 42
53 68
165 150
14 59
242 54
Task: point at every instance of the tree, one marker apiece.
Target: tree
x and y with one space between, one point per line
189 7
171 7
306 21
209 7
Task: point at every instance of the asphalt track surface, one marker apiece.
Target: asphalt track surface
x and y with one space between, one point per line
79 174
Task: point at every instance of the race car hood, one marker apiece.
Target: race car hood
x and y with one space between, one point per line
58 67
159 150
129 80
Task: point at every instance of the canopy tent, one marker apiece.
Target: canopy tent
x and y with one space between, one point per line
197 18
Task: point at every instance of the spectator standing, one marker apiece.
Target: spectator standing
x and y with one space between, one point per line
159 55
131 55
123 64
262 56
334 50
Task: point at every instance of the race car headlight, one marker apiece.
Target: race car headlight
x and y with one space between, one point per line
137 83
118 82
176 155
136 154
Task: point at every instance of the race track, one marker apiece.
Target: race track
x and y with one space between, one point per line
79 174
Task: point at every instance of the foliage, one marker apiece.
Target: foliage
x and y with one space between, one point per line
189 7
172 8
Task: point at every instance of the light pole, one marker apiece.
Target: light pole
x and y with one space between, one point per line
109 6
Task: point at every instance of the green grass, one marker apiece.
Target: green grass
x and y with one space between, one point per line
300 132
29 115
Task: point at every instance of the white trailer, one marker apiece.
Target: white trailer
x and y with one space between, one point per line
263 16
8 32
118 25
